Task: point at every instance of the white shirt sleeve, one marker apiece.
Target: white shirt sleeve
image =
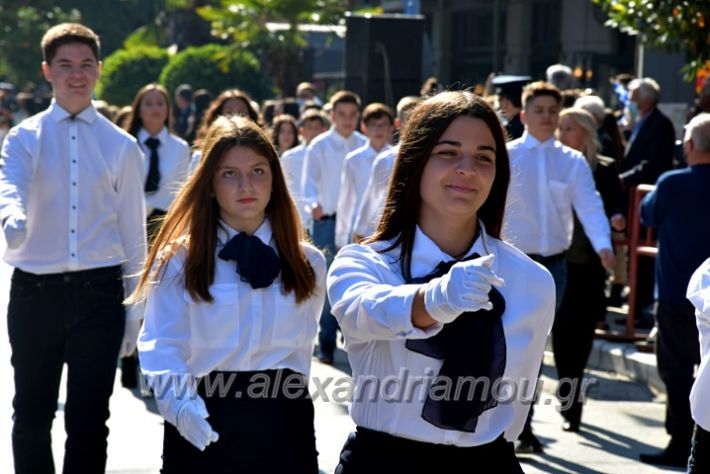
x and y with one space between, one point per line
311 176
346 206
589 207
163 343
131 221
15 175
366 307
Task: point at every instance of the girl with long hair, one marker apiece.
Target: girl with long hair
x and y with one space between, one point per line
233 294
435 299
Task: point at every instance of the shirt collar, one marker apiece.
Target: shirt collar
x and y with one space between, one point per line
426 255
531 142
58 113
226 233
143 135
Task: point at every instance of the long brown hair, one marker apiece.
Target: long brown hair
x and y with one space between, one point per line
425 126
216 107
134 122
193 219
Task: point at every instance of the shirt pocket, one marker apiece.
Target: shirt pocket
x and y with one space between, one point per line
215 325
291 323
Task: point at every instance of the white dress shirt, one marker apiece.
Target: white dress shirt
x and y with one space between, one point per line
173 164
373 306
79 183
548 180
323 167
243 329
353 181
292 165
373 198
699 295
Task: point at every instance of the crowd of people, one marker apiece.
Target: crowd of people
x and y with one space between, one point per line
204 239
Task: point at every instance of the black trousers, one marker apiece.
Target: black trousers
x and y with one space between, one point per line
573 332
260 431
677 353
75 318
373 452
699 461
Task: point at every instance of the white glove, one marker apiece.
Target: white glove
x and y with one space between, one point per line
15 229
464 288
130 336
193 426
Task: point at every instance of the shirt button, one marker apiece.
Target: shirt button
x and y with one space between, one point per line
73 138
73 183
73 255
73 161
73 208
73 231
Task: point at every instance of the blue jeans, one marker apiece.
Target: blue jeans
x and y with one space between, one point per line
75 318
324 239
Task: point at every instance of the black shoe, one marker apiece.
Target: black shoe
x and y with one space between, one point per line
570 426
614 298
528 444
673 457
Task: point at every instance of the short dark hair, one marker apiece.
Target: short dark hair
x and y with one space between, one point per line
375 111
428 122
345 97
66 33
314 114
540 89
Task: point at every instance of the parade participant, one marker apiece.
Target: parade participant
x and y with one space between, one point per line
284 134
548 182
584 301
322 169
509 90
434 298
377 125
699 295
71 204
167 158
210 320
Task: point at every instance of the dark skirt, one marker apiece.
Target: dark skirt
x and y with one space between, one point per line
265 425
373 452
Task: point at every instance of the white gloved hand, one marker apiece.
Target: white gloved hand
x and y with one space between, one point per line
15 229
193 426
464 288
130 337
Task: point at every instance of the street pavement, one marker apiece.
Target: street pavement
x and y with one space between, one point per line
621 419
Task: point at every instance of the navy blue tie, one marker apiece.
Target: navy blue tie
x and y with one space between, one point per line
257 263
153 179
473 348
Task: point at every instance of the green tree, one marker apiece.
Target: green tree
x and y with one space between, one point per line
245 22
216 68
672 25
126 71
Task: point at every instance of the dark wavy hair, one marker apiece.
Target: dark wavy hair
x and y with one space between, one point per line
425 126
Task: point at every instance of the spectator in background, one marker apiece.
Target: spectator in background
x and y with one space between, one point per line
677 208
284 133
183 109
5 124
306 92
229 102
560 76
509 90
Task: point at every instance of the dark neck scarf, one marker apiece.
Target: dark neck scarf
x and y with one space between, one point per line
257 263
474 351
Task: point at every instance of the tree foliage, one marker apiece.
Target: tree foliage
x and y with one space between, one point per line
216 68
670 25
245 23
126 71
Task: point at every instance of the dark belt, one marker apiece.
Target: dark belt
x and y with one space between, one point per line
66 277
549 260
327 217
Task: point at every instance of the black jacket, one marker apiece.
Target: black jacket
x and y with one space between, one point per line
651 151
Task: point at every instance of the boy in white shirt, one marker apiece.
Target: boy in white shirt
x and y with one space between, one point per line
321 188
378 125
